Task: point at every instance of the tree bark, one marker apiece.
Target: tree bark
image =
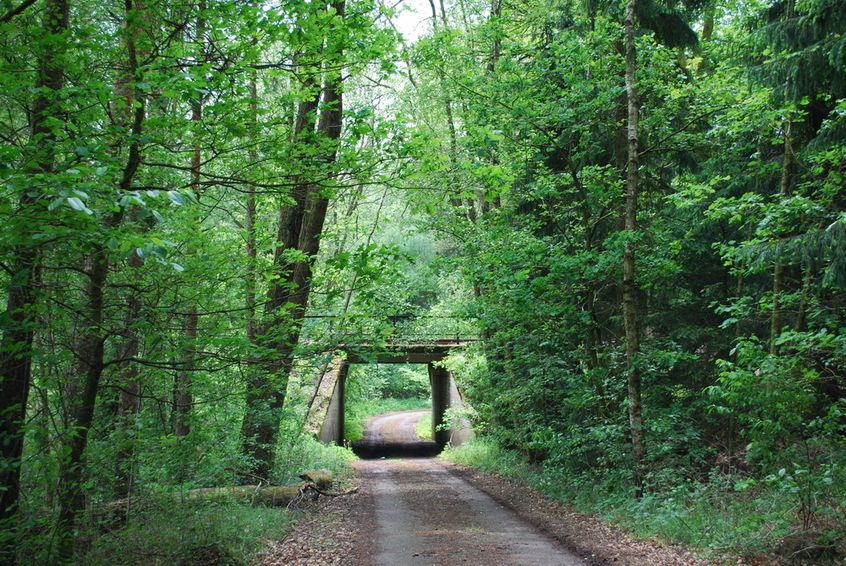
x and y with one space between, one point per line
300 226
183 395
129 397
91 354
788 165
16 345
91 349
629 283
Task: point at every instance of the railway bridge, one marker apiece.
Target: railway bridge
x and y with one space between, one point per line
328 416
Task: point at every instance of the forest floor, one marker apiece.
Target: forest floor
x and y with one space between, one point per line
426 511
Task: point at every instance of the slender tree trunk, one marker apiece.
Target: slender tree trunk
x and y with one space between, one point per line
629 284
788 165
483 202
299 230
251 276
708 20
91 350
447 104
802 312
129 397
787 172
129 400
16 345
592 337
183 394
91 354
267 381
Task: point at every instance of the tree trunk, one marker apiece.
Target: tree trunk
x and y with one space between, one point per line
251 276
629 284
788 166
267 382
300 226
16 345
91 354
129 399
183 396
91 349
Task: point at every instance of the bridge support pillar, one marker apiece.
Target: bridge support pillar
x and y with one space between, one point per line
441 381
332 429
445 395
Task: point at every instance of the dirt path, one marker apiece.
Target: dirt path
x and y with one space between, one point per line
394 427
427 515
393 435
421 511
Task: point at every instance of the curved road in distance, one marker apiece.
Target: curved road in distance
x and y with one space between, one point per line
393 435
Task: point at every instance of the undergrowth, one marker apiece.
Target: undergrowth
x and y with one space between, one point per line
309 453
167 525
190 533
424 427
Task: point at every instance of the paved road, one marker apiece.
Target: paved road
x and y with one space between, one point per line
425 515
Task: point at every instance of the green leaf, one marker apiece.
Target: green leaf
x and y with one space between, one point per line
77 204
176 198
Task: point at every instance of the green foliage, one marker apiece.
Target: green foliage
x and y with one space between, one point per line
489 457
721 515
424 427
189 533
388 381
482 199
306 453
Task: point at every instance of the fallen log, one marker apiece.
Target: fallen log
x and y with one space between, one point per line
321 478
315 482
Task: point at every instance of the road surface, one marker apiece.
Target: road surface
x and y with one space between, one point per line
426 515
393 435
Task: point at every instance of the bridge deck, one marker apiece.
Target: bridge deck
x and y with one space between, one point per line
401 353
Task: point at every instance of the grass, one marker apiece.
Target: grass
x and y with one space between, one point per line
424 427
309 453
487 456
160 529
190 533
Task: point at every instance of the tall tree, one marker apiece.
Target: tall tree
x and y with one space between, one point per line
629 283
300 222
16 347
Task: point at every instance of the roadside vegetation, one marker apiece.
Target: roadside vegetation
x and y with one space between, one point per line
726 517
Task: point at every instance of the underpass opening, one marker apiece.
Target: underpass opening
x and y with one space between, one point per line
388 410
443 393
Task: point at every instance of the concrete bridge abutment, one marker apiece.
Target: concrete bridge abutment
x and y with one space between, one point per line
446 428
